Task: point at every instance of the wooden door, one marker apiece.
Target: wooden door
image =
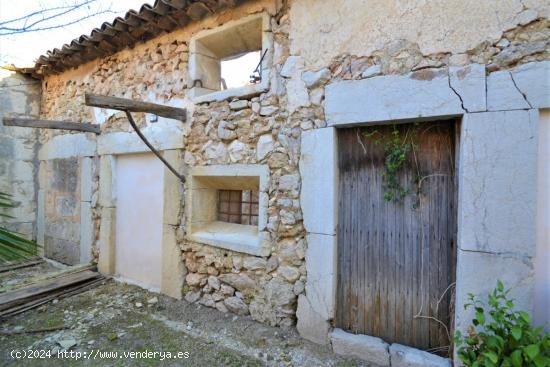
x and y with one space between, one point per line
397 248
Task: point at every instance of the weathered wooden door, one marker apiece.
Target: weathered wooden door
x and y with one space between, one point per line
397 248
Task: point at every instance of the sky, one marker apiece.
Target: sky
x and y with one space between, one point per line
24 48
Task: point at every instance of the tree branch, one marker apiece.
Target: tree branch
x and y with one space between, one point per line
9 28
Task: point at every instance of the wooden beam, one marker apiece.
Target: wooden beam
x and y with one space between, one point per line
129 105
50 124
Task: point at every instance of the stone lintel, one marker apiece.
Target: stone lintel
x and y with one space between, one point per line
524 87
422 94
168 136
67 146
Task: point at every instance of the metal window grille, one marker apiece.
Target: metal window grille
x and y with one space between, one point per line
238 206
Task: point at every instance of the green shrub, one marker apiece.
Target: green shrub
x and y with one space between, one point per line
505 339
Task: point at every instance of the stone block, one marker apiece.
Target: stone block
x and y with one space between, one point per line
238 104
106 181
321 273
62 229
402 356
497 182
289 182
87 233
368 348
533 80
425 93
319 172
310 324
241 282
246 91
469 83
21 171
86 179
233 171
165 137
477 273
172 189
236 305
263 201
67 206
40 221
373 70
64 251
292 64
22 148
63 175
264 146
68 145
297 95
173 268
107 232
502 93
313 79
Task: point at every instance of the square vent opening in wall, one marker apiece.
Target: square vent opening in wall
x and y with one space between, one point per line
226 207
232 60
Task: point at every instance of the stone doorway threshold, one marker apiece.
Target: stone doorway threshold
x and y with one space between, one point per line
376 351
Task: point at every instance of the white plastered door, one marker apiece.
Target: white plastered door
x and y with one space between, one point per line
139 219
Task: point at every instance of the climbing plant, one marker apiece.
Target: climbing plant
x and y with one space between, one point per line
396 147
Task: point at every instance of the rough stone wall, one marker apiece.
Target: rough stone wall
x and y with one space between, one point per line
19 96
315 43
255 131
322 31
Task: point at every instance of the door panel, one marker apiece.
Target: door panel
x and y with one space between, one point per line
396 258
139 210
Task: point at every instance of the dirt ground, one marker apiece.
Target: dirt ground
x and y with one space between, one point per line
107 323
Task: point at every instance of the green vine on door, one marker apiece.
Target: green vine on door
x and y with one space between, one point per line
396 147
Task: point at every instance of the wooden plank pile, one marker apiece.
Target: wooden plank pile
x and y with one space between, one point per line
20 265
34 295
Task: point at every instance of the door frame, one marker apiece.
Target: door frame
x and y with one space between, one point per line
455 137
156 246
172 267
365 102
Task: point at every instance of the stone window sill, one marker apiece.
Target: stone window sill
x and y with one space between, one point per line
230 236
202 95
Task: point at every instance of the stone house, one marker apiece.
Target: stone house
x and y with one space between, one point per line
266 221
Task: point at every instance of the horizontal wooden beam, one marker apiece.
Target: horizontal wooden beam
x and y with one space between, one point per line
51 124
130 105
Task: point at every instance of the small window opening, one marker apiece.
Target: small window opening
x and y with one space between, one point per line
238 206
229 58
237 71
